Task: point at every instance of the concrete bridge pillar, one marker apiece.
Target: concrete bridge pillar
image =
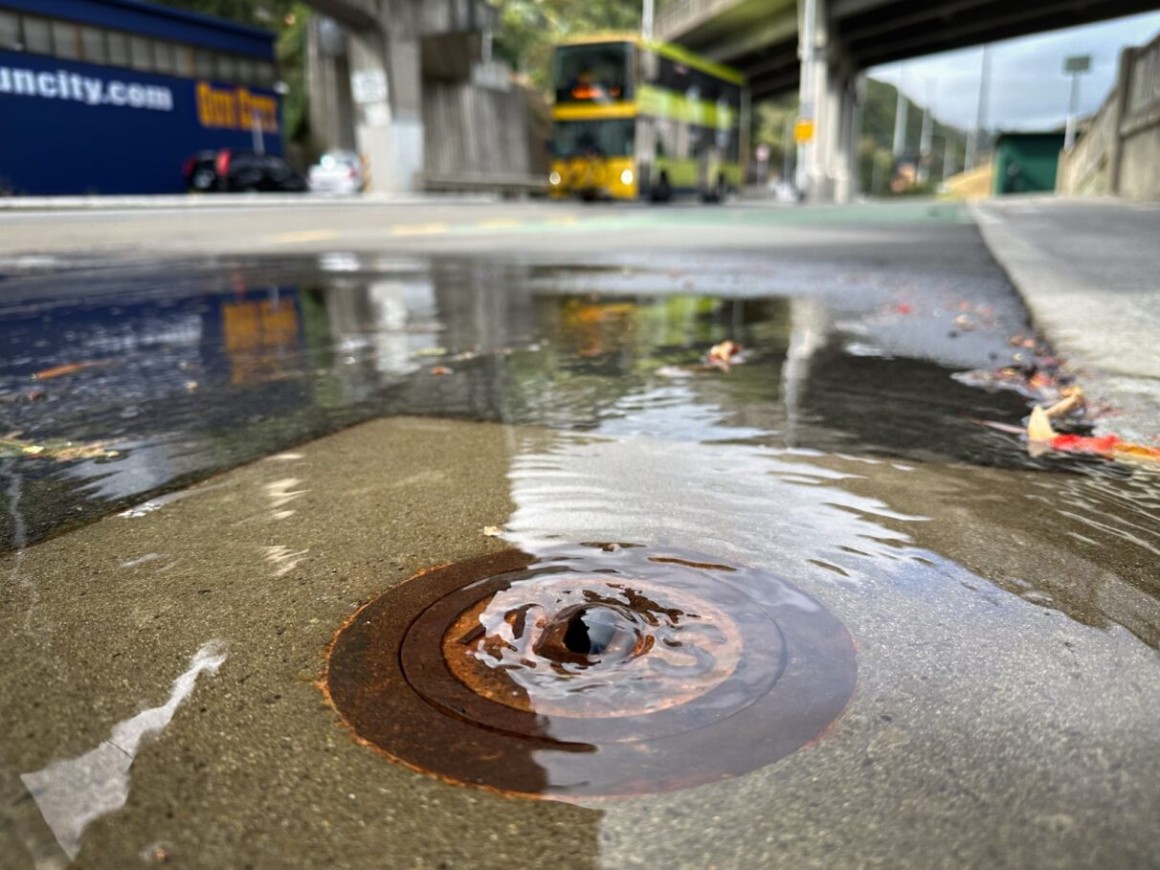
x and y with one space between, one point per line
829 95
386 85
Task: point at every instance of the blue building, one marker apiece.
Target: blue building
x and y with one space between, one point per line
114 96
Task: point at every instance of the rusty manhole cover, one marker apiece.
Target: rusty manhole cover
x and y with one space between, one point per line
590 670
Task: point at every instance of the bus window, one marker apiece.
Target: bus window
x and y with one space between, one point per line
597 72
141 53
37 36
118 46
93 45
66 40
163 60
9 31
605 138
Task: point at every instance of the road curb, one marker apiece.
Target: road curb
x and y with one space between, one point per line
1059 301
240 201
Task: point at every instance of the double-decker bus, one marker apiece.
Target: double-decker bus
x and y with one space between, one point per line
633 118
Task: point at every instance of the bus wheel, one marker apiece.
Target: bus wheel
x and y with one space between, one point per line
661 192
717 194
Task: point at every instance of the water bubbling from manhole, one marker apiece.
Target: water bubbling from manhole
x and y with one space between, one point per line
590 670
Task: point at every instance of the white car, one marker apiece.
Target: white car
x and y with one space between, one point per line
338 172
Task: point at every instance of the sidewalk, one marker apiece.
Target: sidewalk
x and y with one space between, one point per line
1089 272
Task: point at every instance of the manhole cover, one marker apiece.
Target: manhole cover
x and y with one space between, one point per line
588 670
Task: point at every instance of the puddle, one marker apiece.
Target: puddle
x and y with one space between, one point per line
1004 610
154 379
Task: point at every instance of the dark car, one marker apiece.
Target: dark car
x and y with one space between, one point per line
231 170
200 171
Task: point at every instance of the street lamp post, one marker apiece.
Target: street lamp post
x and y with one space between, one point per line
974 140
925 141
1075 66
901 107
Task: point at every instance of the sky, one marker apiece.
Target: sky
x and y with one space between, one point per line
1028 88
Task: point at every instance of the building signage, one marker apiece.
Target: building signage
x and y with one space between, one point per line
71 127
235 108
92 90
368 86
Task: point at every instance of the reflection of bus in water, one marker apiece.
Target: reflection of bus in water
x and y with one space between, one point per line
635 118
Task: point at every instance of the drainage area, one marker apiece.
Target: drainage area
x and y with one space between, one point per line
590 670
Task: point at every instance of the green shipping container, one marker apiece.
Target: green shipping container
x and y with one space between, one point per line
1026 162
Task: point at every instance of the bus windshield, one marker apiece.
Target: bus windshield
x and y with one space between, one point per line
611 137
592 73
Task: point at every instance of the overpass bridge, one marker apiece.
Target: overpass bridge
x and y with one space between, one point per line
407 83
820 46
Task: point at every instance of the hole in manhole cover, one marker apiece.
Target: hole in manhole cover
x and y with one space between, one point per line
590 670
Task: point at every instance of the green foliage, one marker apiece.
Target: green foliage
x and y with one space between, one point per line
288 19
529 28
266 13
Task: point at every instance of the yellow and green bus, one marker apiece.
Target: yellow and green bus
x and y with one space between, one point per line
633 118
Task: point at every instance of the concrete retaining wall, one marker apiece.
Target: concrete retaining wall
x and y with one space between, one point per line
1119 153
480 129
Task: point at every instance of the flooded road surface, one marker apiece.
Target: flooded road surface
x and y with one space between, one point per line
117 386
164 694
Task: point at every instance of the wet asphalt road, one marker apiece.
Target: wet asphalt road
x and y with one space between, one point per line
1004 611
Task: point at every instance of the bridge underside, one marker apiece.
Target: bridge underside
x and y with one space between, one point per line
760 38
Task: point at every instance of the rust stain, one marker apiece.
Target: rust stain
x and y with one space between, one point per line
588 671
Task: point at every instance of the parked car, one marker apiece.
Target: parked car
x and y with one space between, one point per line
200 173
338 172
229 169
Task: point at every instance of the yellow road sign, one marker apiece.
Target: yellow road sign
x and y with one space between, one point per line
803 130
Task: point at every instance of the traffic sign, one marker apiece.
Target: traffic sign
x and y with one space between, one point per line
803 130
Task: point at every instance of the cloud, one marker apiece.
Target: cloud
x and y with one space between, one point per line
1028 88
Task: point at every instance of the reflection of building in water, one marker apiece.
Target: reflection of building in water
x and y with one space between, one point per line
484 306
252 335
259 335
376 327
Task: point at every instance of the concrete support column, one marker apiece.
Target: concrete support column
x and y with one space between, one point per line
846 166
328 84
812 40
822 152
386 80
828 96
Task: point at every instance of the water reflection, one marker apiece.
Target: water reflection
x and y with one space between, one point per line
196 369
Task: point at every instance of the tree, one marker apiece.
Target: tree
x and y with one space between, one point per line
265 13
529 28
288 19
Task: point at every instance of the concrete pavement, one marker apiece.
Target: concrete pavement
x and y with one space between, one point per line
1089 272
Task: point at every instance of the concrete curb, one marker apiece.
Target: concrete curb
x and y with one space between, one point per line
232 200
1090 326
